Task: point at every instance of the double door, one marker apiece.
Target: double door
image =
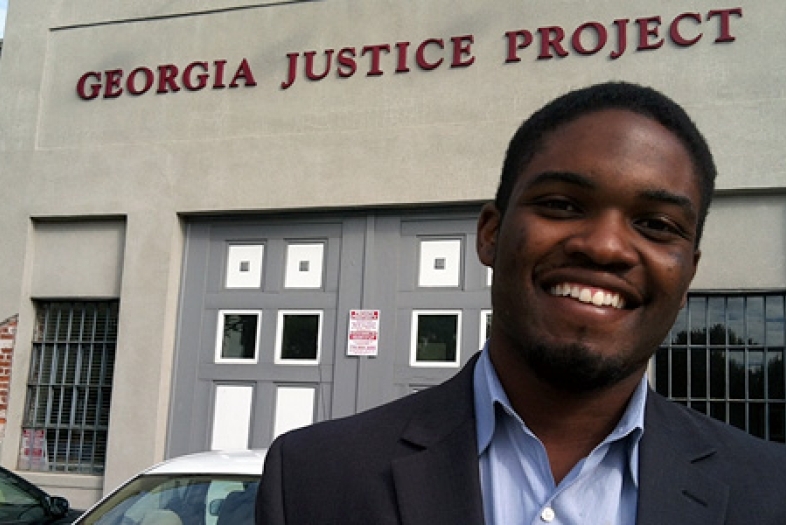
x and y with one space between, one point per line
264 321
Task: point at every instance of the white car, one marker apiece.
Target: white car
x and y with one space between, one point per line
207 488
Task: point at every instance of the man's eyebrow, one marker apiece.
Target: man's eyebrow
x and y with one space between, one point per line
568 177
653 195
675 199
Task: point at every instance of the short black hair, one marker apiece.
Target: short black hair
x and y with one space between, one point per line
638 99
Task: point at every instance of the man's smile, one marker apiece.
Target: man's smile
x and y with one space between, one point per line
588 294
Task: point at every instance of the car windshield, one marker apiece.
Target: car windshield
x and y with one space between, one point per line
16 502
177 499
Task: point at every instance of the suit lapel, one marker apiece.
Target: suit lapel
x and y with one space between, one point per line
440 483
673 487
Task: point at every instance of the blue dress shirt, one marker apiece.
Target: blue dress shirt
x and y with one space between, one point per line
516 480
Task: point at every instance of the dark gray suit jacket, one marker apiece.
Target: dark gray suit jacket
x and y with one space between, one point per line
414 462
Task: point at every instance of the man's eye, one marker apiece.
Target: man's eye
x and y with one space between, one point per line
558 205
660 227
656 224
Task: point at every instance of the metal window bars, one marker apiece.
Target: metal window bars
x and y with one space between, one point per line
725 357
69 387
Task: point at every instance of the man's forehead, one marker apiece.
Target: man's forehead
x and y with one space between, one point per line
611 131
596 117
622 143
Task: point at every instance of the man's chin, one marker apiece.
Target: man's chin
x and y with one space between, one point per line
575 368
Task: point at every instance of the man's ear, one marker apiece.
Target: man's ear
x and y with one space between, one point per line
696 257
488 227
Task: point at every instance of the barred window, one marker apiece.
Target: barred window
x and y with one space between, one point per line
69 388
725 357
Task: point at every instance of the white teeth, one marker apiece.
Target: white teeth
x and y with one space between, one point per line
586 295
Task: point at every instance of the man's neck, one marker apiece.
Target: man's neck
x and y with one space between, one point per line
569 424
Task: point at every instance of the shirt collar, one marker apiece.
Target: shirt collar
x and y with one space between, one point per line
488 394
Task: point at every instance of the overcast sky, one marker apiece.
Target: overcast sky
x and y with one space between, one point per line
3 6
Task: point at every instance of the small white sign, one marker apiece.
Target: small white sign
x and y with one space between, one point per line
33 455
363 338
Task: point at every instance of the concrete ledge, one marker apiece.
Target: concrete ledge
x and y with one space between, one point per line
80 490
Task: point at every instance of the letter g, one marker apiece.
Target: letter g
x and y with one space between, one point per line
95 87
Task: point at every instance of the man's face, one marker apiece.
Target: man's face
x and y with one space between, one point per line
593 257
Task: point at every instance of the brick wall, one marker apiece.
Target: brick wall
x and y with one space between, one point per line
7 337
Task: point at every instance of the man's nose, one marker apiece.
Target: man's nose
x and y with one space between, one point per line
607 239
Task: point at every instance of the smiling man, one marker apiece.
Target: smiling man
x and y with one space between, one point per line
594 240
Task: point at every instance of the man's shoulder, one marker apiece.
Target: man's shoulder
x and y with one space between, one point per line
351 467
731 446
687 458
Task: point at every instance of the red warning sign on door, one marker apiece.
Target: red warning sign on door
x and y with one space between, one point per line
363 337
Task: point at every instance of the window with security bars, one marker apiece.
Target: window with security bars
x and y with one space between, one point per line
69 388
724 356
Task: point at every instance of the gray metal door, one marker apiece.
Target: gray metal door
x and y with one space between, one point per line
264 315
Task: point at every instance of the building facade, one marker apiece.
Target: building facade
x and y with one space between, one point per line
225 219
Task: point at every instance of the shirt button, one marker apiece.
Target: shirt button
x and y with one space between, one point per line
548 515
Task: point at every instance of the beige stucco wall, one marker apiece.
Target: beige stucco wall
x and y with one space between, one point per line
408 138
744 244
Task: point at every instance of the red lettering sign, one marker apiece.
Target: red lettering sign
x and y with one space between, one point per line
168 78
547 42
592 37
